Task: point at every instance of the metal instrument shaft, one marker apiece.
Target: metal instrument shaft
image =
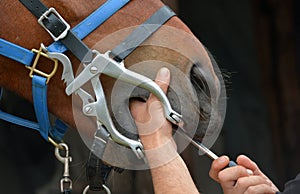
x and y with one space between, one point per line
205 150
198 145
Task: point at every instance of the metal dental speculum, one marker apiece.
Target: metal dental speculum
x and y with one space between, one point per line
97 64
103 64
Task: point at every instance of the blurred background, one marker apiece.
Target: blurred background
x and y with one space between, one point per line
257 43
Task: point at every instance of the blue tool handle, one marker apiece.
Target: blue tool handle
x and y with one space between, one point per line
232 163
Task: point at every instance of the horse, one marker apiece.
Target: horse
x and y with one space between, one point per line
173 46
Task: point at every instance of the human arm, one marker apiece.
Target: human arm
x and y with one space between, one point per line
236 180
168 170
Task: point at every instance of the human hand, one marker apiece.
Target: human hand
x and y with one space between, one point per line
236 180
154 130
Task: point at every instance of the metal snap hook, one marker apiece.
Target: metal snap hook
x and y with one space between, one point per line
65 182
62 159
86 189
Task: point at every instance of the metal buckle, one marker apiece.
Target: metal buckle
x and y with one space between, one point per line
45 16
33 67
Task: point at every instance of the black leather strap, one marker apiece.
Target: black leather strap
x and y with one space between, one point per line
67 191
141 33
96 171
37 8
78 48
56 26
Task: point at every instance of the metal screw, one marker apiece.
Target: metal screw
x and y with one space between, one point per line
93 70
140 153
176 118
88 110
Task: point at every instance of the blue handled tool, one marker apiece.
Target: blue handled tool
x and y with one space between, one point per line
205 150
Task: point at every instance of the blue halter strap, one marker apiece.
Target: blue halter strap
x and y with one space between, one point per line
39 80
39 83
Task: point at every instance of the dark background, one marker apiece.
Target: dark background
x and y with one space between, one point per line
256 43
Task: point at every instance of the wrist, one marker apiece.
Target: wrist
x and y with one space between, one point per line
161 154
156 141
157 137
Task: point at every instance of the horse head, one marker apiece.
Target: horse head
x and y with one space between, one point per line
196 87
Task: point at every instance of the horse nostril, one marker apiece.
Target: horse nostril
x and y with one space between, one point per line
198 79
202 90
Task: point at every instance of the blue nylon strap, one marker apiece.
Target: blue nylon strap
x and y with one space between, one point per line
18 121
58 130
83 29
92 22
39 86
26 57
39 93
16 52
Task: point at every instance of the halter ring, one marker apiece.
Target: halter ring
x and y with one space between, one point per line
86 189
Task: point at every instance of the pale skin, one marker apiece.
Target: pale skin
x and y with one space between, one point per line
236 180
173 177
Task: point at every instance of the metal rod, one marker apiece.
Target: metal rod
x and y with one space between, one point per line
198 145
205 150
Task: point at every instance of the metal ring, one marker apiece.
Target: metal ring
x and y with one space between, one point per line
86 189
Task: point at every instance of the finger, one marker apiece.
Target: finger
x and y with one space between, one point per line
162 80
260 189
245 182
248 163
229 176
217 166
137 108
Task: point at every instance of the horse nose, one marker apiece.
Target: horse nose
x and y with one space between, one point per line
210 90
205 82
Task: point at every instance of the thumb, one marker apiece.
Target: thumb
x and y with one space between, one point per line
217 166
163 78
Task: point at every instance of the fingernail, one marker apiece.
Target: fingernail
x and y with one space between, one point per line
223 159
250 172
164 72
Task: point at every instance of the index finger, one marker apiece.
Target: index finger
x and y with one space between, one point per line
218 165
248 163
